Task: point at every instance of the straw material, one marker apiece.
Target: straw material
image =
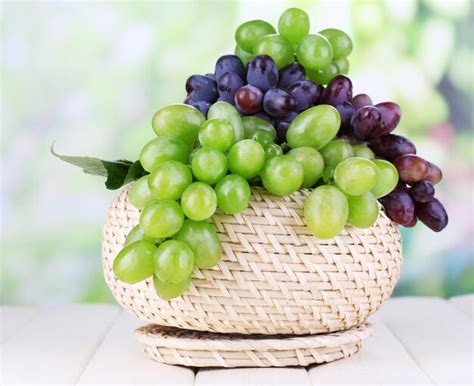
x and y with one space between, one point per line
205 349
274 276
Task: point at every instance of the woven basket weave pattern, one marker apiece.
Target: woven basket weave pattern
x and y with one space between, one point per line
274 276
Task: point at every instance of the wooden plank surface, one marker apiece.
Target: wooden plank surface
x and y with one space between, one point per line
120 359
436 335
57 345
381 360
464 303
13 318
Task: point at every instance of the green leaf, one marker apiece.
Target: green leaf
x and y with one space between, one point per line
118 173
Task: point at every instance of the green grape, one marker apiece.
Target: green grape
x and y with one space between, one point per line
163 149
249 32
335 152
273 150
168 180
202 238
254 124
264 138
323 75
226 111
243 55
282 175
388 178
209 165
217 134
168 291
312 163
326 211
233 194
363 151
161 218
137 234
328 174
192 153
363 210
199 201
356 176
314 127
179 121
343 65
246 158
134 263
277 47
314 52
340 41
139 194
293 25
174 261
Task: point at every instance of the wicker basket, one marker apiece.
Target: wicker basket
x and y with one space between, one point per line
274 276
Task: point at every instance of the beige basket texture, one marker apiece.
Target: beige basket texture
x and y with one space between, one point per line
274 276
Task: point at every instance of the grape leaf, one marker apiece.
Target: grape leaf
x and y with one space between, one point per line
118 173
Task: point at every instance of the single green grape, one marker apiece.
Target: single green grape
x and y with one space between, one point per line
169 179
363 151
139 194
179 121
209 165
228 112
277 47
343 65
233 194
314 127
161 218
199 201
163 149
174 261
293 25
202 238
168 291
326 211
388 178
254 124
323 75
314 52
249 32
328 174
192 153
134 263
335 152
217 134
312 163
246 158
340 41
273 150
264 138
243 55
356 176
137 234
282 175
363 210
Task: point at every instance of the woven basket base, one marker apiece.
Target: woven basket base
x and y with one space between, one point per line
206 349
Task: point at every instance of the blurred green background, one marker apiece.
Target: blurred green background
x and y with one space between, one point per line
91 74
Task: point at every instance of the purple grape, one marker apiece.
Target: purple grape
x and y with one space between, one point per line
361 100
229 63
228 85
281 129
290 74
338 90
435 174
248 99
391 113
262 73
211 76
188 100
432 214
263 115
202 106
346 111
201 88
411 168
278 103
422 191
399 206
366 123
305 92
392 146
413 222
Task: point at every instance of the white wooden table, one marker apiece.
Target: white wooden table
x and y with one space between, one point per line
416 341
